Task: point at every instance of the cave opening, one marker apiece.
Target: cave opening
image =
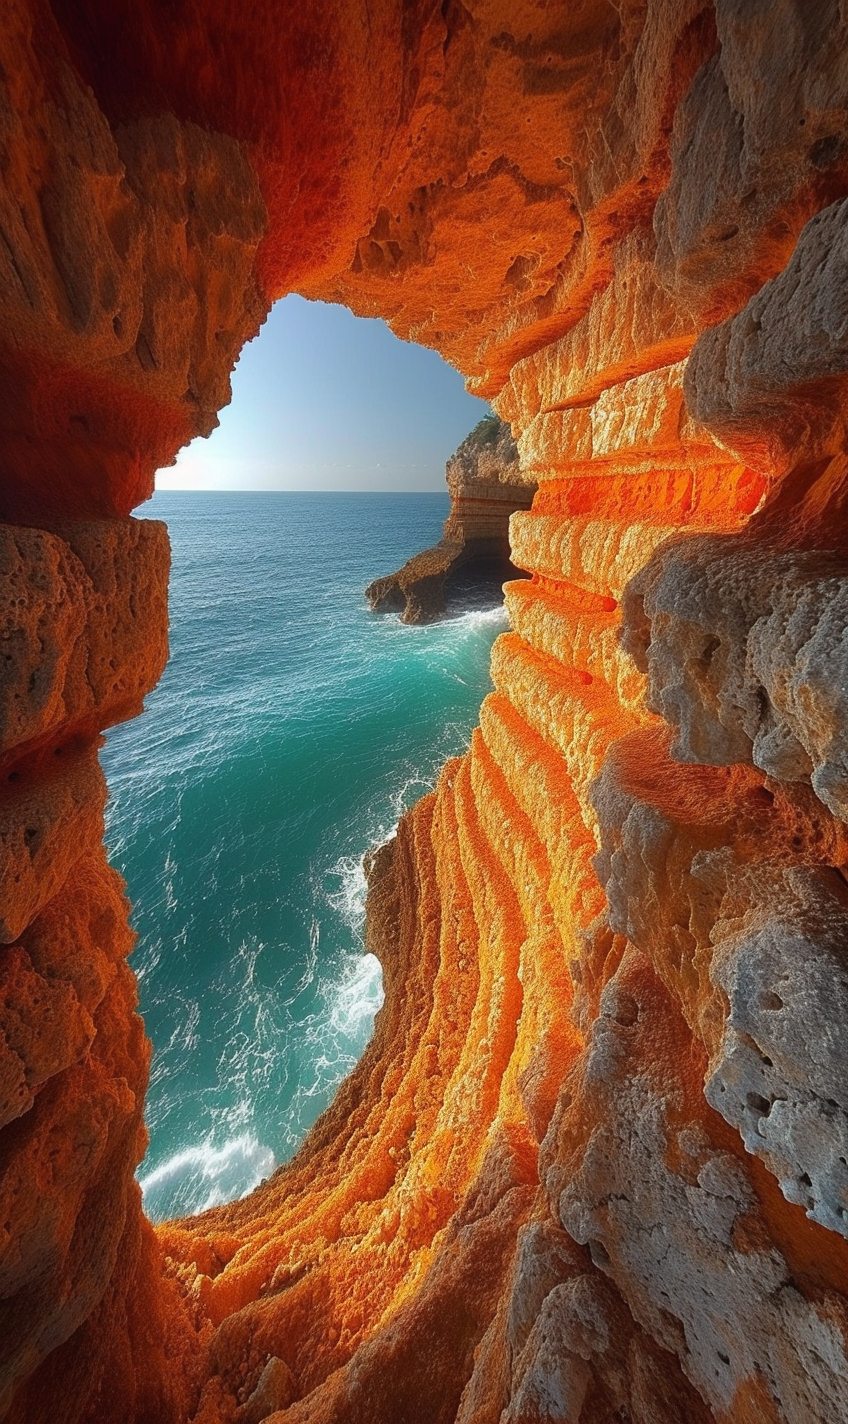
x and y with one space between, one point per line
290 730
544 1186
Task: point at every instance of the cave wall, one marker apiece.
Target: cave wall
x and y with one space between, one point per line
593 1164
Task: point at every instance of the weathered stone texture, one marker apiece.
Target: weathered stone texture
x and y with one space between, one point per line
770 381
84 632
674 1220
780 1075
592 1164
746 669
126 282
758 144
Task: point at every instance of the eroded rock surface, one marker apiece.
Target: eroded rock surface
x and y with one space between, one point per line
592 1164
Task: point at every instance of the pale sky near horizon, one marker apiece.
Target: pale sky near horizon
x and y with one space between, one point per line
325 400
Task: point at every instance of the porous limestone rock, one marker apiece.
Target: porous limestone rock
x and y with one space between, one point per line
276 1390
127 283
673 1218
745 925
765 118
49 817
746 670
779 1077
589 1168
79 605
770 381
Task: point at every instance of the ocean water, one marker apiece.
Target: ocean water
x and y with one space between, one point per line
290 730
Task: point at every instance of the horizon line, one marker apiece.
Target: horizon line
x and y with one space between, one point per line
307 489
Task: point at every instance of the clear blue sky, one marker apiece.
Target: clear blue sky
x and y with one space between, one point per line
325 400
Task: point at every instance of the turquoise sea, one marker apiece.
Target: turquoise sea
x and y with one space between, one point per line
289 732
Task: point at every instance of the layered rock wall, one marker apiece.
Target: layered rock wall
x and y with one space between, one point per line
592 1165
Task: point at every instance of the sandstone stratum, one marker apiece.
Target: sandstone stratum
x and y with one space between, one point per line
592 1166
471 560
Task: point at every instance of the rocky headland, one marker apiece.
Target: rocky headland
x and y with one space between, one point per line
486 486
592 1166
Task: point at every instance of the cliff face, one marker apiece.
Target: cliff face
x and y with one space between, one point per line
486 486
593 1164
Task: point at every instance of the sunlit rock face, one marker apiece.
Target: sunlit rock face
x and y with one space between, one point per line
593 1164
472 558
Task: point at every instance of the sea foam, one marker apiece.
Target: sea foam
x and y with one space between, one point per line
205 1176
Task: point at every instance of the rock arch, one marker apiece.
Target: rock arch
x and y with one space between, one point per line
625 225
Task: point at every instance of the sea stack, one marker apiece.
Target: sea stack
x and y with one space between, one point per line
486 486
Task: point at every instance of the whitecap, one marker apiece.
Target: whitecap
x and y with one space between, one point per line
205 1176
357 998
469 620
479 618
420 782
349 900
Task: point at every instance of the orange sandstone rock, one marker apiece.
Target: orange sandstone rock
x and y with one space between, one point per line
592 1164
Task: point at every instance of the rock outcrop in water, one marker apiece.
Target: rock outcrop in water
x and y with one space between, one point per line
593 1164
486 486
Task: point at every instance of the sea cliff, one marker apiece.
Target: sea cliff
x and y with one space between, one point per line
592 1165
486 486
